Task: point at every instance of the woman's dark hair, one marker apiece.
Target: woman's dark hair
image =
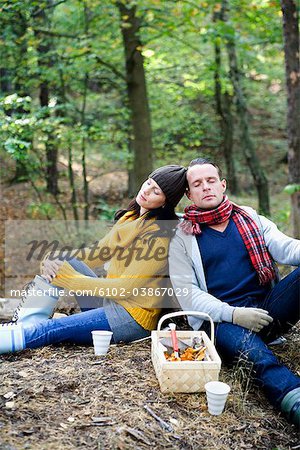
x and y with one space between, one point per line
163 215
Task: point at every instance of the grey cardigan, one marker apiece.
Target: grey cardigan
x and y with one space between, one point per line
186 269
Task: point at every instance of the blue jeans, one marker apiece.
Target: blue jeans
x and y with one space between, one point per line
235 343
77 328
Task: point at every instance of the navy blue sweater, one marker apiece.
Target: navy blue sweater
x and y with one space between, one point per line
230 275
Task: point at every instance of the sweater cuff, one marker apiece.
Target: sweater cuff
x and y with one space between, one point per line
67 277
227 313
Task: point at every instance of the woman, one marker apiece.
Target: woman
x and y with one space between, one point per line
137 249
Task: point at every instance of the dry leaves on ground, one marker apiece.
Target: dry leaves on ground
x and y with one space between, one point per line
65 398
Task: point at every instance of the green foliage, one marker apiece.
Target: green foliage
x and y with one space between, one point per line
15 148
76 47
105 211
41 211
292 189
282 218
20 128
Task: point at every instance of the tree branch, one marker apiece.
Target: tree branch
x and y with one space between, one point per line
111 67
36 13
172 36
55 34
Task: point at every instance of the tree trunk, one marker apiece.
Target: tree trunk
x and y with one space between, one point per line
61 100
82 121
5 81
292 67
51 169
223 109
259 177
72 182
51 147
20 30
137 97
44 63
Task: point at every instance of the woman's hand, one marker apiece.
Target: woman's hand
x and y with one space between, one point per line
50 268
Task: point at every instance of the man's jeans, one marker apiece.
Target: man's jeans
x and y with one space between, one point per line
77 328
236 343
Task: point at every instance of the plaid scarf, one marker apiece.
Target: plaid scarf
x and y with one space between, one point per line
248 229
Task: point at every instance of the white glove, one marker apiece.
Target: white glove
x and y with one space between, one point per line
252 318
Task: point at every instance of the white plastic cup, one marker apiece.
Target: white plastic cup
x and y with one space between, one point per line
101 341
216 394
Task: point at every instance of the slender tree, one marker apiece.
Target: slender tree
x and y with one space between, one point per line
291 51
44 62
223 110
86 16
19 27
5 81
137 97
246 142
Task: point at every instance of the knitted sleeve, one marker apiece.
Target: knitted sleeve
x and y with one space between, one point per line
102 251
140 272
93 256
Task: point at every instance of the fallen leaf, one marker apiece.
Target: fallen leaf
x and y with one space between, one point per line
102 421
137 435
9 395
173 421
30 431
24 374
10 405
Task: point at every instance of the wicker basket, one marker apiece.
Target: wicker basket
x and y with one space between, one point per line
184 376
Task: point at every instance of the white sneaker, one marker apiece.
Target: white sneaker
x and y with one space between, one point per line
38 303
11 337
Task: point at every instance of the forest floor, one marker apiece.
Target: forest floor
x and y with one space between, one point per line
64 397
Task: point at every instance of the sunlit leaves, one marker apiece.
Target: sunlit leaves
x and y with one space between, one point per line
292 189
16 148
178 40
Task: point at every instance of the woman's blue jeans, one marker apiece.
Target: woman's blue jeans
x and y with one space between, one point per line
76 328
235 343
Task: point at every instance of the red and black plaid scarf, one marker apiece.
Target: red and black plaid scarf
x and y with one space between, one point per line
248 229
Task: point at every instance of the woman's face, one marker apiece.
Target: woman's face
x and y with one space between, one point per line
150 196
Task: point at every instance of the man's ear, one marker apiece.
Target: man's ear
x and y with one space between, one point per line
224 184
188 194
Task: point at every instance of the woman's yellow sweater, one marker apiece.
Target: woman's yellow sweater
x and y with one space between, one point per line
137 269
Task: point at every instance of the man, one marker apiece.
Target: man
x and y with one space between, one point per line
225 255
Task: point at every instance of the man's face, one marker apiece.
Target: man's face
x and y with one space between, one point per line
206 189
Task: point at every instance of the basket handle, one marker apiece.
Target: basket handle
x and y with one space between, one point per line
189 313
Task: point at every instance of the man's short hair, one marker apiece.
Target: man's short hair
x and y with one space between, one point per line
201 161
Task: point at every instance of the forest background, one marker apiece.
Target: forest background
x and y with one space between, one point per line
94 95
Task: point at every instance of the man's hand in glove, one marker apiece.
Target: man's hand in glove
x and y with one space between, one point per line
252 318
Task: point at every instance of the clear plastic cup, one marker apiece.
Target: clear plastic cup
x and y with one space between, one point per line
216 394
101 341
